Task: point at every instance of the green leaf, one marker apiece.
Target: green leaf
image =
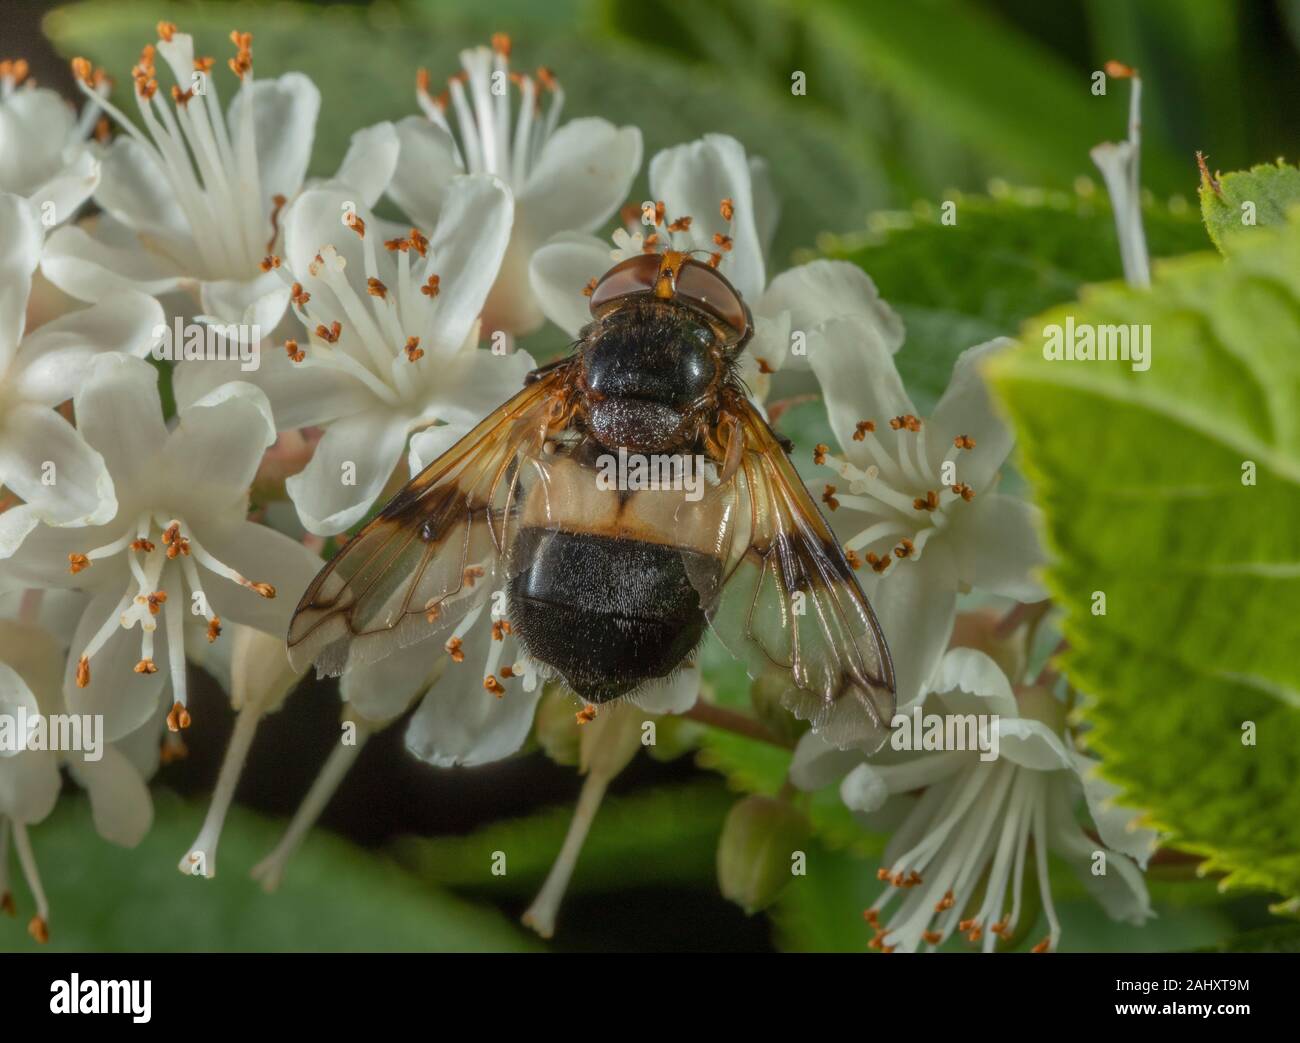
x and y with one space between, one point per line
1142 478
664 836
335 897
1008 256
1260 196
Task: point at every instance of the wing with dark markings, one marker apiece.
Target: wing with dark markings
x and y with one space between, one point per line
437 548
825 648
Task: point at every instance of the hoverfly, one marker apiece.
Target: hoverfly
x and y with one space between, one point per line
612 589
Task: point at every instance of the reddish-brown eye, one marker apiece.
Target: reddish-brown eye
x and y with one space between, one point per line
706 288
635 275
677 277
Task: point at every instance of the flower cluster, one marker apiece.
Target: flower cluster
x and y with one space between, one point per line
318 352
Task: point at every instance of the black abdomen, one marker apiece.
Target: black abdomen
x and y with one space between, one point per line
608 614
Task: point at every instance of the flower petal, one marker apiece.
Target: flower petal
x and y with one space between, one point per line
968 681
222 437
817 764
999 549
1032 744
559 272
91 268
1117 825
426 165
29 786
916 606
582 176
284 113
820 290
135 190
59 198
52 360
119 413
262 555
119 799
692 180
466 249
1120 890
382 690
370 161
967 409
21 239
676 694
359 450
429 444
50 465
459 722
858 379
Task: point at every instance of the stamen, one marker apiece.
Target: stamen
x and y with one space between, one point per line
905 549
819 453
907 420
828 498
298 295
376 288
83 672
964 442
494 686
178 718
295 353
454 649
863 428
331 333
77 562
430 287
413 350
727 209
586 715
214 629
146 666
964 491
354 221
928 502
590 288
723 242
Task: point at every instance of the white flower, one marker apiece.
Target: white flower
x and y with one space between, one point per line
178 544
43 459
43 152
966 828
563 178
195 198
390 343
113 774
916 498
711 198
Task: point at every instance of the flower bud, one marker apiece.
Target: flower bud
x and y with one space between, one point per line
756 850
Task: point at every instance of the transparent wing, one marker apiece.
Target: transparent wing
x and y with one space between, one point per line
436 550
786 602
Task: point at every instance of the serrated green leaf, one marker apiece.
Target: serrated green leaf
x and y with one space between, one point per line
1245 199
335 897
1141 478
664 836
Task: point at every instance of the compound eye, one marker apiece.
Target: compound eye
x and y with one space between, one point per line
708 290
635 275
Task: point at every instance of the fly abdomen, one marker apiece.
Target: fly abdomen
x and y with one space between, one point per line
607 613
